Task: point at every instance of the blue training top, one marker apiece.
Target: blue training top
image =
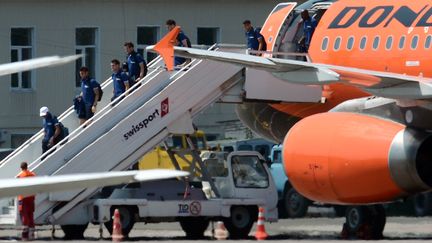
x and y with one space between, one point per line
120 79
87 87
134 60
252 39
49 123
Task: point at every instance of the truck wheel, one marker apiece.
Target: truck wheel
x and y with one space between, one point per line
74 231
127 219
423 204
194 227
296 205
240 222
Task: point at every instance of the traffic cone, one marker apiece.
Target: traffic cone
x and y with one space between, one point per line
261 234
220 233
117 228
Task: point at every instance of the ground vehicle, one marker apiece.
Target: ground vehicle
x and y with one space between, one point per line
291 204
159 158
242 184
256 144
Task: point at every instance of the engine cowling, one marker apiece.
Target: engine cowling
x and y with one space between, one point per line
348 158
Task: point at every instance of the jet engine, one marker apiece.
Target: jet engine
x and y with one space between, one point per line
347 158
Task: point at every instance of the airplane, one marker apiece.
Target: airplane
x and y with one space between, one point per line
368 141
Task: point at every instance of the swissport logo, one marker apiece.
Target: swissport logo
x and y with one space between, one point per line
164 107
164 110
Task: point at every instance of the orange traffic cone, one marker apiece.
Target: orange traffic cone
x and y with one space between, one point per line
221 233
261 234
117 228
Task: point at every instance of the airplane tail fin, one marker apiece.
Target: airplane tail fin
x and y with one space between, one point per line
165 47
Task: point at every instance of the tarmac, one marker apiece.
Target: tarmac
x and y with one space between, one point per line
310 229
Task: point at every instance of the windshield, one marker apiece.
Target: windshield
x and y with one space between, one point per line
248 172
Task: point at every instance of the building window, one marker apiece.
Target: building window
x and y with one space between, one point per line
207 36
376 43
389 43
337 43
363 42
86 40
414 42
146 36
350 43
402 42
21 49
324 44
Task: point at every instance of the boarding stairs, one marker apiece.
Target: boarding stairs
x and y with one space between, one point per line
117 136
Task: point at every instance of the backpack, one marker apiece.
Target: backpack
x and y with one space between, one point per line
64 132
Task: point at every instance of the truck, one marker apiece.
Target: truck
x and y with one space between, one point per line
159 158
291 204
238 184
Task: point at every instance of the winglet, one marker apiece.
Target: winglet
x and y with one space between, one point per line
165 47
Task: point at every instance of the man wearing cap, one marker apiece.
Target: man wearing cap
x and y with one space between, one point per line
26 207
51 128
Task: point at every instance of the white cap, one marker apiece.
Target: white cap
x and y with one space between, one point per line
43 111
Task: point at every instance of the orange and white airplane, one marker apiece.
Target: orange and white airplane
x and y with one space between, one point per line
369 141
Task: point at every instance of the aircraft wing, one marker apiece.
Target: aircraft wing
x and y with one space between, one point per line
26 65
39 184
385 84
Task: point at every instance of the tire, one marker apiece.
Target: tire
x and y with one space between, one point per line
74 231
296 206
355 218
240 223
423 204
378 221
194 227
127 219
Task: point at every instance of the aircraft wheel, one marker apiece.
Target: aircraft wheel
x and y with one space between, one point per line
240 223
423 204
127 219
194 227
74 232
364 222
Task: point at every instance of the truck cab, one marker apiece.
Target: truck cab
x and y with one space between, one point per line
290 203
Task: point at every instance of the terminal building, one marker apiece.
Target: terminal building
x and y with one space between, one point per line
98 29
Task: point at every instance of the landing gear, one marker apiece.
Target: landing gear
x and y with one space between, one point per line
364 222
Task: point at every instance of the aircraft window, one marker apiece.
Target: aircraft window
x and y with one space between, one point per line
376 42
389 42
337 43
350 43
363 42
414 42
402 42
324 45
428 42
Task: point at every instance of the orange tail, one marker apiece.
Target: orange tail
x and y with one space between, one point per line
165 47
